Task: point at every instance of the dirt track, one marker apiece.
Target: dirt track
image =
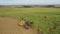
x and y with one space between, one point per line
9 26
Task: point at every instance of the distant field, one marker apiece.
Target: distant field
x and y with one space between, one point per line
42 17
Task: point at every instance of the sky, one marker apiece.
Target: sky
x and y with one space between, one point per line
28 2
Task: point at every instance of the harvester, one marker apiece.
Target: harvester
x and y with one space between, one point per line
25 24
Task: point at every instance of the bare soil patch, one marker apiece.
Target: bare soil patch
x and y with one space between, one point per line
9 26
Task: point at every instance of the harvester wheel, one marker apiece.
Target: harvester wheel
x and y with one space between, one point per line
26 26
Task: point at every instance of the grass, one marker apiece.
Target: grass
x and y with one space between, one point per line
42 17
